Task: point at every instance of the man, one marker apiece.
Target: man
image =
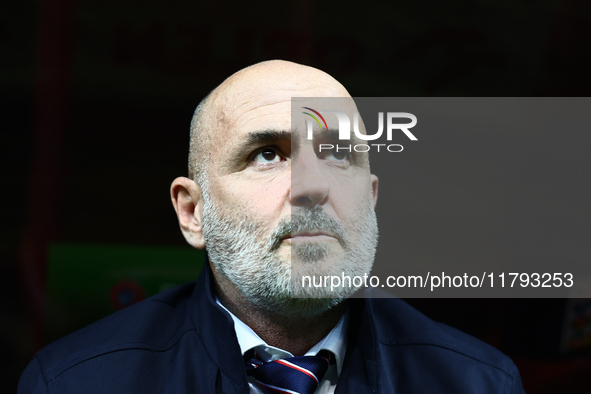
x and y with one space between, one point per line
270 209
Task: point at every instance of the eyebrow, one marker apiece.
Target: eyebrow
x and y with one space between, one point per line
256 139
332 135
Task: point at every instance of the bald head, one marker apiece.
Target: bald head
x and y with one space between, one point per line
248 96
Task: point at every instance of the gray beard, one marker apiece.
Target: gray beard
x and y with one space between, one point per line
242 253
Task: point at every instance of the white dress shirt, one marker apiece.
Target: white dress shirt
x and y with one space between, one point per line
335 342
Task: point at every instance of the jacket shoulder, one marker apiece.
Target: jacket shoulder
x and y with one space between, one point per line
155 324
399 325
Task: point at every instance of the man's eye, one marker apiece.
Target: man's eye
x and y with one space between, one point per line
267 155
338 155
334 155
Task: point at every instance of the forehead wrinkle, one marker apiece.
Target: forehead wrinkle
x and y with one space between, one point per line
249 85
246 98
264 104
256 108
260 117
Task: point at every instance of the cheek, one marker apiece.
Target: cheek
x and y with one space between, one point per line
257 199
350 201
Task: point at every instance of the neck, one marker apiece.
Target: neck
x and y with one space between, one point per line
296 335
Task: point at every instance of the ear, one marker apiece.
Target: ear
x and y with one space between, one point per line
188 203
374 188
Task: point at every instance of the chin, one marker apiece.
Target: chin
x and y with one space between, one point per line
302 308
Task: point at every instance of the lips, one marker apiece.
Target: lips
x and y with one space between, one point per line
308 224
311 233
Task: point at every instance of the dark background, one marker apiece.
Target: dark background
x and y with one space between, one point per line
97 97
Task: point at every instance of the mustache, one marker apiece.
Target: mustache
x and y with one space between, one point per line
307 219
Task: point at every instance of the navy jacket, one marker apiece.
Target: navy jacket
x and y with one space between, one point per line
181 341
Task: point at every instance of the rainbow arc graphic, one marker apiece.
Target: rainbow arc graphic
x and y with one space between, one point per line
315 118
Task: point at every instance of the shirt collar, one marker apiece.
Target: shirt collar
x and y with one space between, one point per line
335 341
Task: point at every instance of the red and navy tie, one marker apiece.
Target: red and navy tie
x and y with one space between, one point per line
293 375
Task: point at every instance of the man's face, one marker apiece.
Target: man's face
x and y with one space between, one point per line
275 209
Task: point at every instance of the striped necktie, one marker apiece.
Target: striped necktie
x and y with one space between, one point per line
293 375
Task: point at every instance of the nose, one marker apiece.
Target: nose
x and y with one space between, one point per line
309 184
